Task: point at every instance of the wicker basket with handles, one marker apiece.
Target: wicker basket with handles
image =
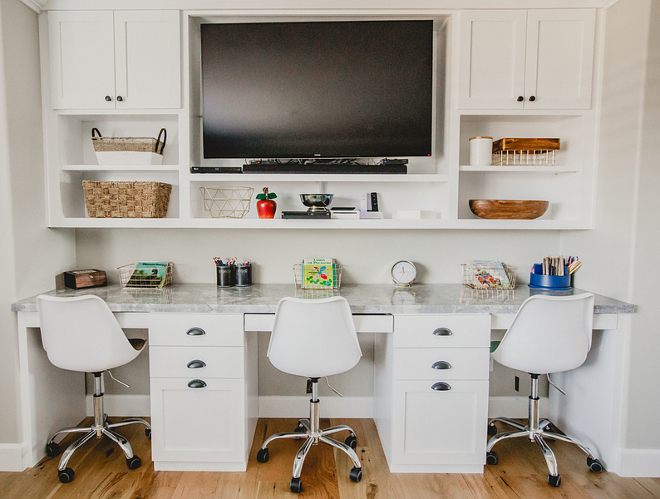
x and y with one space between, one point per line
129 150
106 199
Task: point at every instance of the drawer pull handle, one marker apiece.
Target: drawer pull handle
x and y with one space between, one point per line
196 364
441 364
442 331
196 383
441 386
195 331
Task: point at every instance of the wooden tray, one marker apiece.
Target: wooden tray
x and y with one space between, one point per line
508 209
525 145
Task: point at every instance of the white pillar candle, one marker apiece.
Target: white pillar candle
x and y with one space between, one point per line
481 151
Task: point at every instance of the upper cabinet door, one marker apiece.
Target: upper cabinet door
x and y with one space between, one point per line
492 59
148 59
559 63
82 59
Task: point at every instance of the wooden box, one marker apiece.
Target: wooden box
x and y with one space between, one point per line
87 278
525 145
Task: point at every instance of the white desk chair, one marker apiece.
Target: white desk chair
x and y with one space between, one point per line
314 338
549 334
82 334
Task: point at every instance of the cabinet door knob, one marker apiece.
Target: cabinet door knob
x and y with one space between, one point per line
441 364
532 98
442 331
120 98
441 386
195 331
520 98
196 383
108 98
196 364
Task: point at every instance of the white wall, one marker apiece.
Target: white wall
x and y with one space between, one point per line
31 254
620 253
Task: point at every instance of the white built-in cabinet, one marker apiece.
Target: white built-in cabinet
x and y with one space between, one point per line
203 376
517 59
485 60
431 390
115 60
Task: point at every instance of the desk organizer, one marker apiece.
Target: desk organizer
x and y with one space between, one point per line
126 271
538 280
298 276
470 279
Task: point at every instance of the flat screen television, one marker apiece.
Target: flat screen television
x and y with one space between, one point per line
348 89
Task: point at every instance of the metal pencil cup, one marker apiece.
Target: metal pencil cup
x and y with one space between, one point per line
244 275
225 276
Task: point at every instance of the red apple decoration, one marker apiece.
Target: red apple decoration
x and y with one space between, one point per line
265 205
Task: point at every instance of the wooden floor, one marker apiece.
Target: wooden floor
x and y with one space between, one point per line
101 472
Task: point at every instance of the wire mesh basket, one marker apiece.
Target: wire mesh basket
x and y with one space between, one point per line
127 271
227 202
476 278
524 158
298 276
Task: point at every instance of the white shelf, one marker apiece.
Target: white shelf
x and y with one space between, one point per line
516 169
320 177
120 168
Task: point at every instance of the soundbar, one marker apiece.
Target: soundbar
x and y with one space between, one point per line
328 168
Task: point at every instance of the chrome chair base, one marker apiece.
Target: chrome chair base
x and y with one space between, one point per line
99 429
536 430
308 429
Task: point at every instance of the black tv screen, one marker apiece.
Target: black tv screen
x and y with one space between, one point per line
352 89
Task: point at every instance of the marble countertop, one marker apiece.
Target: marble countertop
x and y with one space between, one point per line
363 298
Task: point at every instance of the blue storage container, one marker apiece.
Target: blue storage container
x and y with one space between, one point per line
538 280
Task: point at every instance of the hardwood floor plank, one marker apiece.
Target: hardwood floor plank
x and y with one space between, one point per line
101 473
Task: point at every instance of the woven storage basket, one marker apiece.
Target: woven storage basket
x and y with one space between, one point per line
129 150
105 199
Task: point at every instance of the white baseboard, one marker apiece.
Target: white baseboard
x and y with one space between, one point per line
640 463
330 407
131 406
11 457
514 407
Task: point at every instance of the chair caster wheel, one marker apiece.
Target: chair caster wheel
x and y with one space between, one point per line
554 480
66 476
356 474
147 432
262 455
53 450
295 485
491 458
594 465
351 441
133 463
492 430
300 428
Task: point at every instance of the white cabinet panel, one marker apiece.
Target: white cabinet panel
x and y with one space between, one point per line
440 427
123 60
197 424
492 59
560 53
147 44
82 59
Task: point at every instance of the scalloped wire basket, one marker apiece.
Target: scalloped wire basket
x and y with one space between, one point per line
469 278
126 271
298 272
227 202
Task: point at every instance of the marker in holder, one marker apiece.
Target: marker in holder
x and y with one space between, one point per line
225 276
244 275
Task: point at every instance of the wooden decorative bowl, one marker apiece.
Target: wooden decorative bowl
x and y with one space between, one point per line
508 209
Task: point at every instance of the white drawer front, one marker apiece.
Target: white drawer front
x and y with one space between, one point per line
441 363
441 331
363 323
196 362
196 329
